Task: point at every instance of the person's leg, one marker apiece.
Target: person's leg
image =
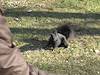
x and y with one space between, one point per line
12 62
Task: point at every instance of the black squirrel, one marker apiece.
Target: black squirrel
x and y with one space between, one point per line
59 38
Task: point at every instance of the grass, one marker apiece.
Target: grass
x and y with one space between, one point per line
31 22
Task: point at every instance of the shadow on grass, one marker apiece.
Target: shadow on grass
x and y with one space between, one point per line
32 31
20 12
32 36
33 43
84 30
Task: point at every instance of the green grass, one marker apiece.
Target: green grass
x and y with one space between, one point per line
31 31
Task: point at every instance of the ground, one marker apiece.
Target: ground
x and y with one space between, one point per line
31 22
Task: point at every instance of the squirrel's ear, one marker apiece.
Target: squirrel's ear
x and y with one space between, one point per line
51 34
55 32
